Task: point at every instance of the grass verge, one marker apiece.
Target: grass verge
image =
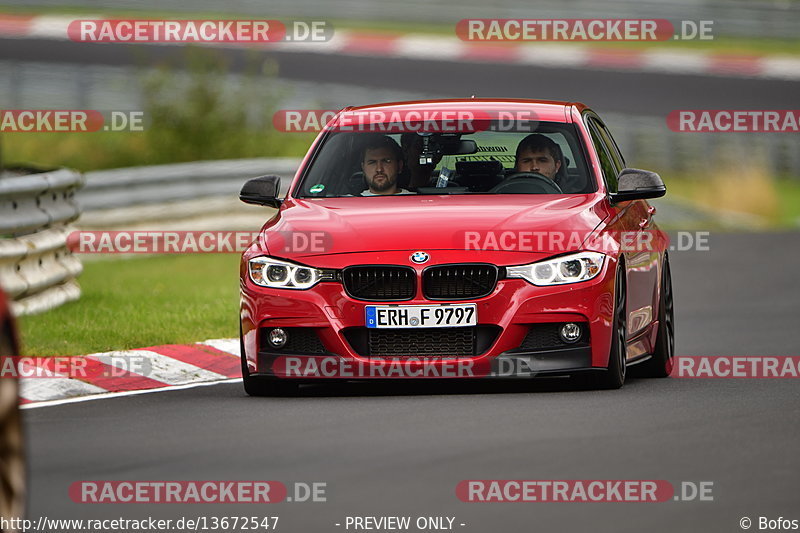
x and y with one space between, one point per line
776 201
101 150
190 115
141 301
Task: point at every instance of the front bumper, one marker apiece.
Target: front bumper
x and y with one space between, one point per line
513 310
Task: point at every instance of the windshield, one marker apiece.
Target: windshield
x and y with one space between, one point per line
548 160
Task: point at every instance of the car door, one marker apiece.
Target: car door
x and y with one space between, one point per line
627 214
640 254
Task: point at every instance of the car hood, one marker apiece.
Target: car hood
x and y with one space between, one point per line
476 224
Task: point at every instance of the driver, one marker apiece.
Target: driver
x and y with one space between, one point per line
382 162
540 154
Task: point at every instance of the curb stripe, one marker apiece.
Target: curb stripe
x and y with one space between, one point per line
113 379
443 48
12 25
432 48
670 61
624 59
365 43
202 356
107 395
230 346
491 52
115 373
743 65
40 389
173 371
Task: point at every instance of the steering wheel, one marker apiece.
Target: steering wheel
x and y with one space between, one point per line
527 183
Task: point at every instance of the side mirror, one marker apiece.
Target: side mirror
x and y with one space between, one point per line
636 184
263 190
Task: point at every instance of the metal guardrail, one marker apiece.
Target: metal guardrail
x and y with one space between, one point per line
647 142
37 271
135 186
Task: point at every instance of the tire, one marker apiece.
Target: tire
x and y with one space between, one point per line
261 385
663 358
12 457
614 376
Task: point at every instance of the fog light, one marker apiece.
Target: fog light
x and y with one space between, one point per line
570 332
278 337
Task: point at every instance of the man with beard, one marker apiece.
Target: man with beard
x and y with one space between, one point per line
539 154
382 162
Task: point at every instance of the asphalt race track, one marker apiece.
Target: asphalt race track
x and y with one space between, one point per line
401 450
644 93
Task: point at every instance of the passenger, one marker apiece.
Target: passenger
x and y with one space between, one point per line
382 162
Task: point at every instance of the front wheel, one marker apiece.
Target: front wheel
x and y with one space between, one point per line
663 358
614 376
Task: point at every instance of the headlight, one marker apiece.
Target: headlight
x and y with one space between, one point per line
565 269
269 272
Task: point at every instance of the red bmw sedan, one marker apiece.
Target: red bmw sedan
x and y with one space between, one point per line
467 238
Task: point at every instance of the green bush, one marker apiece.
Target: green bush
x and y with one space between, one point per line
199 112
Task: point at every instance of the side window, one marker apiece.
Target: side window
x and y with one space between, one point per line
611 144
607 165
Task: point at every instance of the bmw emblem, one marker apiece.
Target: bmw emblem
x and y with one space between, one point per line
419 257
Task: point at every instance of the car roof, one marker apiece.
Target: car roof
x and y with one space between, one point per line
544 110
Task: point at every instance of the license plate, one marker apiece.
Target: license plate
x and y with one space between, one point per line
422 316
